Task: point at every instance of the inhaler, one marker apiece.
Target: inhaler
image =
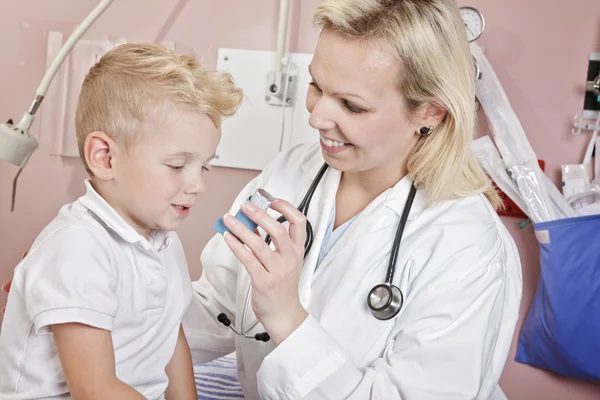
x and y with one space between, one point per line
261 198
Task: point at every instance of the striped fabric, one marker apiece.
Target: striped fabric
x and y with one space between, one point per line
218 380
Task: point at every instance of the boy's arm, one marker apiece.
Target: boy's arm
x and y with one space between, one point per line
87 358
182 385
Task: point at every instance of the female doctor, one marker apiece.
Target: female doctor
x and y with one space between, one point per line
392 97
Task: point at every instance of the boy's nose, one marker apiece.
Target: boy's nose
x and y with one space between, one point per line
196 186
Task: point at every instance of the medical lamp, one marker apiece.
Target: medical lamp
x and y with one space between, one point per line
16 143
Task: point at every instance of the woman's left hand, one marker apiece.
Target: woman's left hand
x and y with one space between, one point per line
275 274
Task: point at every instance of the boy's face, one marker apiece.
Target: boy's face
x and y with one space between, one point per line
158 178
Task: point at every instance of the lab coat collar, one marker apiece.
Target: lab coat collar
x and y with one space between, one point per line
398 194
394 198
97 205
370 221
312 165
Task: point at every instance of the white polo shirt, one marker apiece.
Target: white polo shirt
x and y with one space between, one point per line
89 266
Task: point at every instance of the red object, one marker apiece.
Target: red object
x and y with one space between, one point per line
510 208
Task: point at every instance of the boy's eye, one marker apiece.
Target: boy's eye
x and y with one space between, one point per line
175 167
205 168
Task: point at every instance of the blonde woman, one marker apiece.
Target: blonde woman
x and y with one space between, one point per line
392 97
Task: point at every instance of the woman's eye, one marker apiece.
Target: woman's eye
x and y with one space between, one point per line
349 106
175 167
205 168
352 108
313 84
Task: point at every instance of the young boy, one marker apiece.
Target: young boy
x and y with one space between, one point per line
95 308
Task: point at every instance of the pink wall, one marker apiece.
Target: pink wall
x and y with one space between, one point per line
538 49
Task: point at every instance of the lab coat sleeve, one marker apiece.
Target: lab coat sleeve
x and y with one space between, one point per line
212 294
215 291
440 348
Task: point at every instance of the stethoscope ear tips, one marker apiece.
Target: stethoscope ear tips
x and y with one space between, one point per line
222 318
262 337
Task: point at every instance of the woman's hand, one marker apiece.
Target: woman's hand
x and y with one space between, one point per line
275 274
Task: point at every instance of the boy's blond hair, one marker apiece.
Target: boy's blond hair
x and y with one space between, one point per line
132 82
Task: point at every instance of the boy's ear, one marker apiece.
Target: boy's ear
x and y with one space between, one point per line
98 151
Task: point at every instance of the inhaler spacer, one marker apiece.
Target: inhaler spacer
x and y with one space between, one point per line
261 198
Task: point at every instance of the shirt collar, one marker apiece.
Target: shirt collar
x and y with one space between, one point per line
97 205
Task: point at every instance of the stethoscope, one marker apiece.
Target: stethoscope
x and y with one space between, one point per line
385 300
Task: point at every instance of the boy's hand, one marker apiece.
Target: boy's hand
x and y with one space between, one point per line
182 384
87 358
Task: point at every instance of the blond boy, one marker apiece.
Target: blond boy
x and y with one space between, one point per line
95 308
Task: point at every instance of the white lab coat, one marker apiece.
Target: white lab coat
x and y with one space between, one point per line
457 266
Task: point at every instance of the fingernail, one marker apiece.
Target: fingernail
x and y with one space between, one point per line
226 235
249 207
4 288
3 309
227 217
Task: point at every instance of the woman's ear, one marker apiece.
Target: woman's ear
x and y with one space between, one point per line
98 151
433 114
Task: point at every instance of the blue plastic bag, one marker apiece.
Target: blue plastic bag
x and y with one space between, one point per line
562 330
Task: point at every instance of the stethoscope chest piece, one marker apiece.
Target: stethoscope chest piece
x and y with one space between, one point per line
385 301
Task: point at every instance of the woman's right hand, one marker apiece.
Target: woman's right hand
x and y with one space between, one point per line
6 287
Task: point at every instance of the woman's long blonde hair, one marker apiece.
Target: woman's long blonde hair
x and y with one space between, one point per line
428 37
